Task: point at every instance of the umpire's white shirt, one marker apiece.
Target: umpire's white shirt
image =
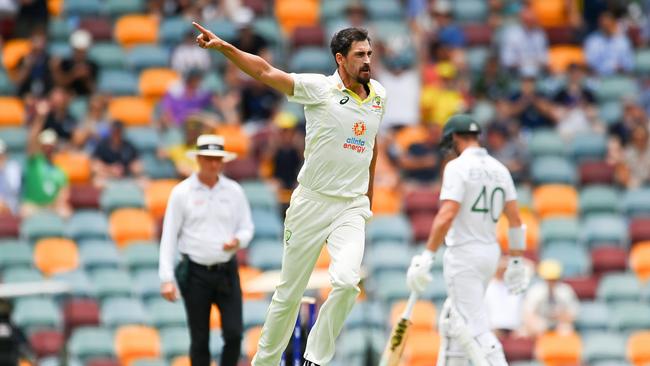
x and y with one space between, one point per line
482 185
200 219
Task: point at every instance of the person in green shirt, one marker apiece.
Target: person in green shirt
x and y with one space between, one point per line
45 185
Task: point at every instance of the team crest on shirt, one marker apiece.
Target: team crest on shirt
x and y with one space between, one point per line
359 128
377 105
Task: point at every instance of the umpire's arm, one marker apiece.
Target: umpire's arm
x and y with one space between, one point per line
168 242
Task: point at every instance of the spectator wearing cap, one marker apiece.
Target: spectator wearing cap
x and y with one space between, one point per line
207 220
608 50
524 47
184 98
186 56
45 185
10 182
507 150
115 158
78 73
549 304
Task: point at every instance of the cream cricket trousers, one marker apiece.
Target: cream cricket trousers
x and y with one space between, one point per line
311 221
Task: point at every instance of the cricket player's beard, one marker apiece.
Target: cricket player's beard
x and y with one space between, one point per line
363 80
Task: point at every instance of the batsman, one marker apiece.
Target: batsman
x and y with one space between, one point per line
476 190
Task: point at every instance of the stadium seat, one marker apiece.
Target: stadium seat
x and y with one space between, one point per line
34 313
423 317
269 29
553 200
561 57
636 202
82 7
478 34
100 28
97 255
141 255
389 286
559 349
574 258
593 316
559 229
254 312
421 200
385 10
136 29
388 257
260 195
59 49
112 283
303 36
136 341
121 194
367 314
117 82
107 55
146 283
13 112
584 286
119 311
610 112
545 142
630 316
143 57
421 225
642 62
14 138
9 225
76 165
116 8
552 170
637 348
640 261
91 342
236 138
79 282
550 13
268 225
470 11
596 172
21 275
166 314
422 347
15 254
156 168
214 83
608 259
175 342
53 255
156 196
149 362
387 30
78 312
615 87
13 52
588 147
46 342
58 30
266 255
603 346
599 199
601 229
619 287
241 169
87 224
386 200
518 348
144 139
84 196
311 60
173 30
42 224
291 14
389 228
155 82
133 111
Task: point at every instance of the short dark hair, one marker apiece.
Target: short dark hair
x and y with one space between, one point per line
342 40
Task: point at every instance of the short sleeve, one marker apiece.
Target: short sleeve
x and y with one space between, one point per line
453 185
309 88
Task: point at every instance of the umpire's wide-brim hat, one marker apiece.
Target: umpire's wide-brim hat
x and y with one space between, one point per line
211 145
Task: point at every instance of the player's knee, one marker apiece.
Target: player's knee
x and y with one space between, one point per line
347 281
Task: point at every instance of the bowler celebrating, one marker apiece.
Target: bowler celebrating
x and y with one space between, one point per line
476 189
332 202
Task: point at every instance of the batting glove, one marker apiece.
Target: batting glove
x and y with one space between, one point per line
516 277
418 275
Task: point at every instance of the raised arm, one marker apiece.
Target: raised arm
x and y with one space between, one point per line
253 65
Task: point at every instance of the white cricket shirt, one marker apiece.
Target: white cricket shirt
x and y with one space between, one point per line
482 186
200 219
341 130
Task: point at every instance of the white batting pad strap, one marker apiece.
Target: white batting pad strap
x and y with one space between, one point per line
517 238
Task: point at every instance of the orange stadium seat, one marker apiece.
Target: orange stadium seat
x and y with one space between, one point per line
554 349
423 317
638 351
550 13
185 361
324 258
136 29
421 348
246 274
235 137
136 341
410 135
294 13
13 51
532 230
133 111
555 200
560 57
54 255
154 82
640 260
55 7
386 201
131 224
252 337
156 195
75 164
13 112
215 318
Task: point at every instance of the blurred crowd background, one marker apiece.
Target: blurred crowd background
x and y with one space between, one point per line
100 100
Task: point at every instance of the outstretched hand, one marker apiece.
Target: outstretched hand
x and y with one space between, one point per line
207 39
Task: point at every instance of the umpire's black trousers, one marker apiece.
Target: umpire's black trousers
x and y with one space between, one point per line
202 287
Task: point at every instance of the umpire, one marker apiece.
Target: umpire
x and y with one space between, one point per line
207 218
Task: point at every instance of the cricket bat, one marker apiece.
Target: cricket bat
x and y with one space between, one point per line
393 351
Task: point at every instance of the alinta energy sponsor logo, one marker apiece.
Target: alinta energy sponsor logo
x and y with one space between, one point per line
359 128
354 143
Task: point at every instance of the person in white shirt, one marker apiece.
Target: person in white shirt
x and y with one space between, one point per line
476 189
525 47
332 202
207 220
504 309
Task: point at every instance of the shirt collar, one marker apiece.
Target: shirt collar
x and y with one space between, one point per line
340 86
475 150
196 183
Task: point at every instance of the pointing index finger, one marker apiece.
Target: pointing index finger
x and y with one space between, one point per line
199 27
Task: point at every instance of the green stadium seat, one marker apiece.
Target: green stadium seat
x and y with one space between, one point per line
216 343
260 195
60 49
80 284
268 225
551 169
611 363
389 286
97 255
117 82
614 87
354 343
6 85
107 55
332 9
91 342
636 202
213 83
82 7
15 254
87 224
21 274
477 57
545 142
78 107
384 10
111 282
575 258
559 229
526 363
269 29
56 361
149 362
588 146
166 314
173 30
470 10
116 8
58 29
387 228
33 313
642 61
483 112
312 60
266 254
388 257
145 139
174 342
630 316
593 316
618 287
156 168
603 346
147 56
254 312
368 314
224 29
141 255
41 225
147 284
599 199
119 311
121 194
610 112
386 30
601 229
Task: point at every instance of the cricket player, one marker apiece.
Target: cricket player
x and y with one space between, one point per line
476 189
332 202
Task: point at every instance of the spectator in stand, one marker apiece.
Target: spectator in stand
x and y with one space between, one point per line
504 309
507 150
59 119
549 304
402 78
437 104
34 72
447 32
10 182
186 56
493 83
95 126
45 184
530 107
32 15
608 50
575 105
247 39
415 153
525 47
258 102
633 115
78 73
285 151
185 166
634 171
115 158
184 98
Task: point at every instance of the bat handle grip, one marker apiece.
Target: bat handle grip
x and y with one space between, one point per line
410 304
